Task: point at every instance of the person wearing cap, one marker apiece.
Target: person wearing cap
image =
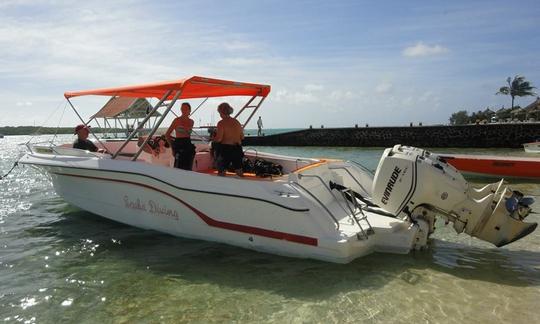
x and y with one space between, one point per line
183 149
229 135
82 142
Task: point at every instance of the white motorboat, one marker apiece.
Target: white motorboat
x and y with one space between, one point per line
330 210
533 147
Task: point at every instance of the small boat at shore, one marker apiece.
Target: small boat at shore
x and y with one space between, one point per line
324 209
533 147
494 166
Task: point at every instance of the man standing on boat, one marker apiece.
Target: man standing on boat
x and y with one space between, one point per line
229 135
259 126
183 150
82 142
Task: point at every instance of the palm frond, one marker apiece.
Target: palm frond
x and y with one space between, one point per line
504 91
517 87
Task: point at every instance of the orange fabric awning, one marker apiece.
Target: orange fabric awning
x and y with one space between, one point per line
194 87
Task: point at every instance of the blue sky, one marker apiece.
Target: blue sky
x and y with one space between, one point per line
335 63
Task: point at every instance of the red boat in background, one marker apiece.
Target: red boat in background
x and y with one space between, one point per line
495 166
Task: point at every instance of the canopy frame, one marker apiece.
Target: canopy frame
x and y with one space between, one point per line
85 123
171 91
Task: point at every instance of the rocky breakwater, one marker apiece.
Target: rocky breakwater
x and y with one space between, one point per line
486 136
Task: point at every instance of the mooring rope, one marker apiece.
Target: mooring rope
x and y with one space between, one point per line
13 167
36 132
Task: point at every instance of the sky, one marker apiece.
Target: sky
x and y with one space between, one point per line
332 63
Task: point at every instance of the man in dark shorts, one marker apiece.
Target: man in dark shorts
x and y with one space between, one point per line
82 142
183 149
229 135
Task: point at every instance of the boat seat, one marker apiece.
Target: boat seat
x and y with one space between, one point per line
202 161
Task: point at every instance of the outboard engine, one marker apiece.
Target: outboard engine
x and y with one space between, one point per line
410 182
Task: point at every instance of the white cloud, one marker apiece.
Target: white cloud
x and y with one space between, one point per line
240 45
242 61
313 87
384 88
421 49
407 101
304 97
23 103
426 96
338 95
295 97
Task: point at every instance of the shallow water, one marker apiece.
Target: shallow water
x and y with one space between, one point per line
61 264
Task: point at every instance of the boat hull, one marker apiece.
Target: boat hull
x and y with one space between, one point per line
533 147
495 166
246 213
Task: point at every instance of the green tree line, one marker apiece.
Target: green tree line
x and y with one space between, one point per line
517 87
34 130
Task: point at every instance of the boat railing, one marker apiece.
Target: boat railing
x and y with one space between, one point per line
252 149
300 176
363 167
61 151
351 211
356 210
350 175
309 161
296 184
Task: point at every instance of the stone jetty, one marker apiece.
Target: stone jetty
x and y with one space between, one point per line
511 135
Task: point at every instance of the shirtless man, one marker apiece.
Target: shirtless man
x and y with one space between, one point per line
229 135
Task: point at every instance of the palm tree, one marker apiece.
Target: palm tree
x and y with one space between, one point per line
517 87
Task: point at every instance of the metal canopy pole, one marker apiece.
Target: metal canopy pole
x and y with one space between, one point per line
106 123
245 106
199 106
120 122
154 109
86 124
169 106
99 125
75 110
254 111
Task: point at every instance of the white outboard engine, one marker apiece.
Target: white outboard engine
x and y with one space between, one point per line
410 182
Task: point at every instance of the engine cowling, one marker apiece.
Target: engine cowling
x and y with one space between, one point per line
411 182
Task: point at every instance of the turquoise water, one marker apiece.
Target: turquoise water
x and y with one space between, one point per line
61 264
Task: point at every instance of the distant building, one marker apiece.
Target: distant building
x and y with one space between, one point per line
532 111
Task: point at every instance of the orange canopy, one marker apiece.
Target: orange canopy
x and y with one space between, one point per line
194 87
